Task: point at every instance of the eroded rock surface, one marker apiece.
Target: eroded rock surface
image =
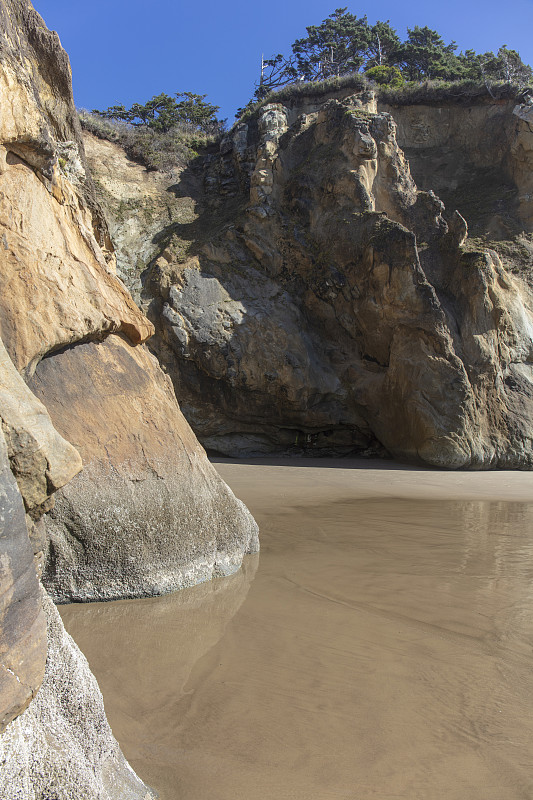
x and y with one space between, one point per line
321 302
410 343
62 746
138 203
41 460
57 281
34 453
65 313
148 514
22 625
477 155
59 289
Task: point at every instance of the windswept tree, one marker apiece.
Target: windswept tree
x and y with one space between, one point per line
471 65
275 72
506 66
194 110
163 112
382 47
344 43
338 46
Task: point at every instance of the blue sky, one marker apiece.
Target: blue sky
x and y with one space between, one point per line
125 51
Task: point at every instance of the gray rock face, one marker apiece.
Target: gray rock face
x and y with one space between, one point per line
249 333
62 747
22 625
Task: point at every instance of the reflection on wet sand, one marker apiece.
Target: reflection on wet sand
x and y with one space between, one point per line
145 650
383 650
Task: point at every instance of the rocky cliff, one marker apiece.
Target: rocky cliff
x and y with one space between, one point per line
310 297
104 490
62 746
73 331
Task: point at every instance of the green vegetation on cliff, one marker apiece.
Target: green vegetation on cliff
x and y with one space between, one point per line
161 133
162 113
149 145
344 46
393 93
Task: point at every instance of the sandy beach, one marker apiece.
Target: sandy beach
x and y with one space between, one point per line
379 647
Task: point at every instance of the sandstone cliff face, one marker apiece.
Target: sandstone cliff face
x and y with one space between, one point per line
148 513
321 302
138 203
59 289
61 745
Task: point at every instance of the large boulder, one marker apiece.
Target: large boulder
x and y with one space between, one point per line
148 514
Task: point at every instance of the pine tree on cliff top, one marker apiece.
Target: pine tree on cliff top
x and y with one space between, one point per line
345 44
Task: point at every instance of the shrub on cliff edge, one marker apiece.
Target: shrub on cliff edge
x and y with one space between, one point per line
155 149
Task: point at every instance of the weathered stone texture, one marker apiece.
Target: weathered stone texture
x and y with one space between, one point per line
41 460
58 289
321 302
148 514
477 156
62 746
22 624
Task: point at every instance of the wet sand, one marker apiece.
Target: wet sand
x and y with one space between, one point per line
380 647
